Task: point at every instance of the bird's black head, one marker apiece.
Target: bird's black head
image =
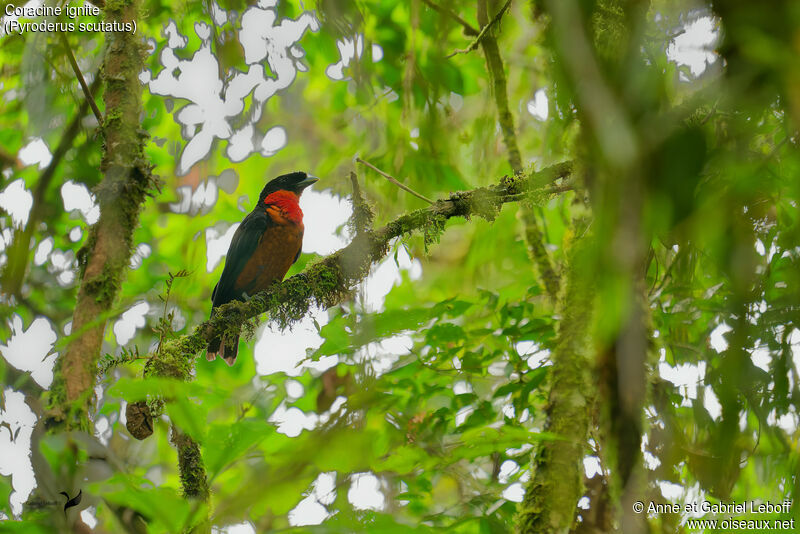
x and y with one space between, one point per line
294 182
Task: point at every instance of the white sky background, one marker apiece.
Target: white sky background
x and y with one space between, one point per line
206 121
214 102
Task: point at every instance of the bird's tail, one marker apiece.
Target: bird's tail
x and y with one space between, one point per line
226 348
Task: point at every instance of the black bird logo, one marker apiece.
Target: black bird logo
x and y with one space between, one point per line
75 501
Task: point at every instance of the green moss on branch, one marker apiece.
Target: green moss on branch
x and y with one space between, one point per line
497 76
104 260
326 283
190 464
331 280
551 496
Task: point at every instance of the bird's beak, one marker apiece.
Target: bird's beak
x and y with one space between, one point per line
305 183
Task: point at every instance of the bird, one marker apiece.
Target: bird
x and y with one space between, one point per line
263 248
71 501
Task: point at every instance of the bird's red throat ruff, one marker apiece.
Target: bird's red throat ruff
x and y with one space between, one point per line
288 203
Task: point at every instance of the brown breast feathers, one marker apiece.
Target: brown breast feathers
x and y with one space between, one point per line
275 253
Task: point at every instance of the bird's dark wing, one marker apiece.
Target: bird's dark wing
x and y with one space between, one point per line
243 245
300 250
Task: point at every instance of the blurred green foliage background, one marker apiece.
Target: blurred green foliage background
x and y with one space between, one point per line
682 205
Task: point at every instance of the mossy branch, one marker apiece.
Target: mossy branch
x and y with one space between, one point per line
105 257
325 284
190 465
331 280
497 75
552 494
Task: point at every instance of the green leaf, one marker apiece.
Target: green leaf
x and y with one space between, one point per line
189 416
132 389
165 508
226 443
5 494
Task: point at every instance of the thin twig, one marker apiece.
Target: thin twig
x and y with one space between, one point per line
468 28
394 181
81 80
474 44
